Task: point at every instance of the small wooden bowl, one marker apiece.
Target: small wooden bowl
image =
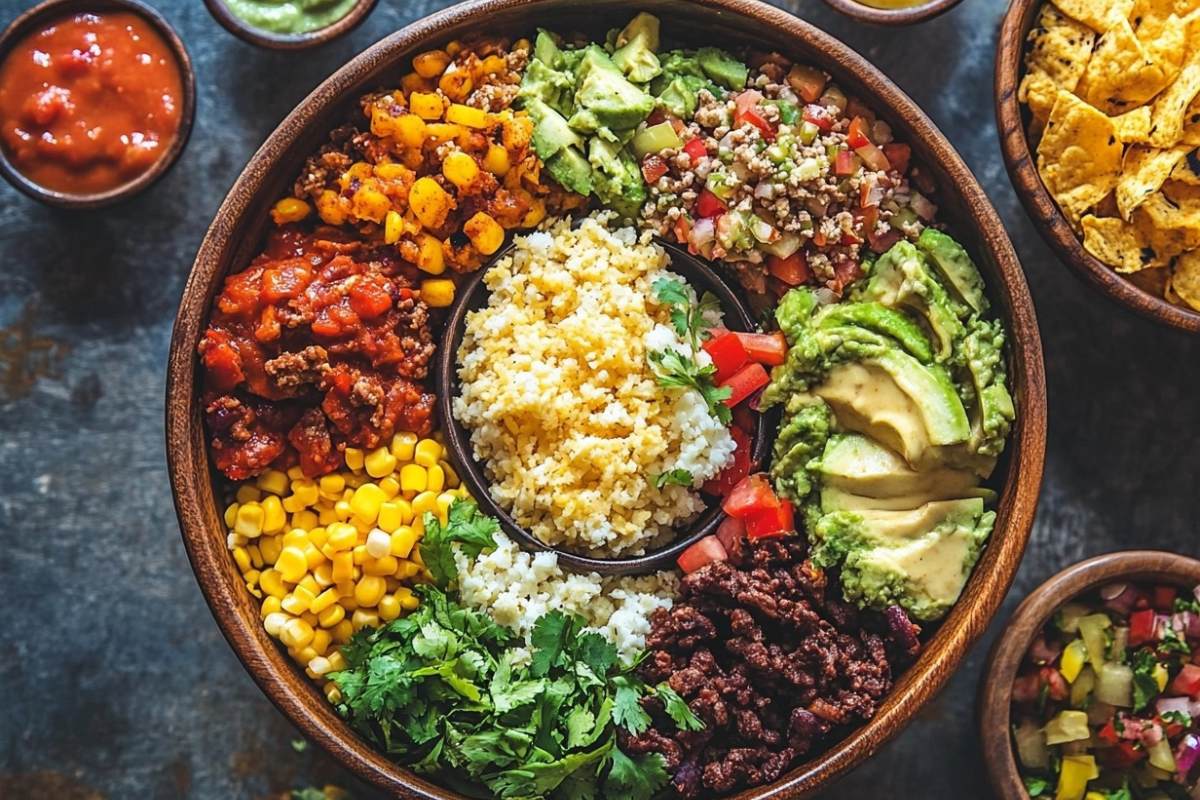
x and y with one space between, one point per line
995 696
48 10
1012 121
283 41
892 16
473 295
237 232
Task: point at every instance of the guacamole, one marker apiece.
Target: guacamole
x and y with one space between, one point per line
290 16
895 410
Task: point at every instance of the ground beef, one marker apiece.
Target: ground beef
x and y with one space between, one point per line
776 664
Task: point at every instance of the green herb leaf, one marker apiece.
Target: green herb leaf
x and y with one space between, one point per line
635 778
548 638
472 530
627 705
596 652
673 477
1035 785
678 709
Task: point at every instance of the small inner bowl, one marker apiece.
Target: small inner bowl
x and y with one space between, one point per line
472 296
49 10
995 694
892 16
288 41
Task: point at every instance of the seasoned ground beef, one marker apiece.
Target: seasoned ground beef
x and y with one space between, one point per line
320 343
771 659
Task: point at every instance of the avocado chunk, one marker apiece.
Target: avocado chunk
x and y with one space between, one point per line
550 131
554 88
571 170
679 96
616 178
797 447
604 92
722 68
861 466
643 27
901 279
635 49
983 352
545 50
883 320
955 267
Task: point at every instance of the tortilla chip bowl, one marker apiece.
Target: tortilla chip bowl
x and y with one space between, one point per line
243 218
1012 120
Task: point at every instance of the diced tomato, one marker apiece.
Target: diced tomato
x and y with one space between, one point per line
746 109
1163 599
818 116
1125 754
1187 681
873 157
849 238
765 348
845 272
1170 729
369 299
728 479
709 205
1108 734
898 155
1055 681
653 168
728 354
695 148
746 100
792 270
682 228
702 553
752 493
731 531
745 382
844 163
857 135
1141 627
767 523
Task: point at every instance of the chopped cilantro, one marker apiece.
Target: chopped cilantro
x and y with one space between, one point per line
1179 717
1145 687
673 369
1035 786
1187 604
677 709
637 778
466 525
673 477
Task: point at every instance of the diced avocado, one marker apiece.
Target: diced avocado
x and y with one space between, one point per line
643 27
797 446
553 87
955 267
610 99
571 170
881 319
983 354
636 45
545 49
616 178
722 68
862 466
654 139
550 131
678 97
901 279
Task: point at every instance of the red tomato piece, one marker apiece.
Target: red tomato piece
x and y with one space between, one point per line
695 148
1026 688
1123 755
1163 599
745 382
369 299
765 348
653 168
873 157
844 163
709 205
682 228
751 494
818 116
731 531
1056 683
1141 627
792 270
1108 734
752 116
1187 681
702 553
857 135
768 523
728 354
735 471
898 155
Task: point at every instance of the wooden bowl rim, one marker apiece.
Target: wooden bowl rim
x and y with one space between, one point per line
289 41
1047 218
892 16
737 317
303 704
1009 650
23 25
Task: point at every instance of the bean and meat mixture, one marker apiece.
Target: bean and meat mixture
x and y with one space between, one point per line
318 344
771 659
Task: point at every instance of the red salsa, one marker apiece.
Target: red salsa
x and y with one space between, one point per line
89 102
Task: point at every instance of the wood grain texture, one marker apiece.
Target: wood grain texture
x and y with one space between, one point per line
1011 123
995 695
47 11
295 41
242 219
892 16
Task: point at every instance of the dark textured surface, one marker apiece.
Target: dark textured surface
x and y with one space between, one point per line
117 683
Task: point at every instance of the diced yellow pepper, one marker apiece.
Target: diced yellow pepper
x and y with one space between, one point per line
430 64
1074 775
426 105
437 293
440 132
456 83
467 115
1073 658
1160 676
382 123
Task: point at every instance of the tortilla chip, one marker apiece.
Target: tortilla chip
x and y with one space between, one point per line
1191 124
1122 74
1134 126
1096 14
1167 118
1181 193
1116 243
1079 156
1188 170
1185 279
1038 91
1169 229
1059 47
1164 37
1143 173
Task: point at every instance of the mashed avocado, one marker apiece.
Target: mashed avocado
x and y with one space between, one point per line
895 409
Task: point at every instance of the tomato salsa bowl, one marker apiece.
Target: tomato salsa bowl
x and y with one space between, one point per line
131 159
245 216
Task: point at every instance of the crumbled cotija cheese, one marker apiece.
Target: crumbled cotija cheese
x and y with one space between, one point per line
563 408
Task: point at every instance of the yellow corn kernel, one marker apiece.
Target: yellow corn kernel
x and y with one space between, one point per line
241 557
304 655
295 473
384 566
334 695
370 204
323 574
402 542
379 543
430 257
309 584
248 494
435 479
429 202
404 446
444 501
391 516
328 516
393 226
418 525
270 546
460 169
484 232
231 515
272 481
343 510
493 65
321 641
408 600
410 131
412 82
291 564
390 487
323 601
347 600
289 209
413 477
437 293
272 583
389 608
331 486
313 556
330 208
426 105
341 536
427 452
497 161
431 63
382 122
296 537
296 633
297 604
274 517
415 555
318 536
249 522
274 622
292 504
469 116
343 566
332 615
456 83
305 520
366 501
359 554
441 132
251 577
425 502
379 463
354 458
343 631
306 492
406 570
364 619
452 479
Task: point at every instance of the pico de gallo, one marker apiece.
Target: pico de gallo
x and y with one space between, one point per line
1107 705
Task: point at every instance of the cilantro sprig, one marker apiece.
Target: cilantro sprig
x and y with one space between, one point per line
466 526
679 370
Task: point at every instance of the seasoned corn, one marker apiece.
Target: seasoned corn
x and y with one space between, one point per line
426 105
430 64
437 293
484 232
290 209
469 116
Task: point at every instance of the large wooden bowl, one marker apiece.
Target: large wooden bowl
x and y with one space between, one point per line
237 233
1012 121
995 695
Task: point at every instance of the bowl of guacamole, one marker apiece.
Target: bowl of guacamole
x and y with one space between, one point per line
289 24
